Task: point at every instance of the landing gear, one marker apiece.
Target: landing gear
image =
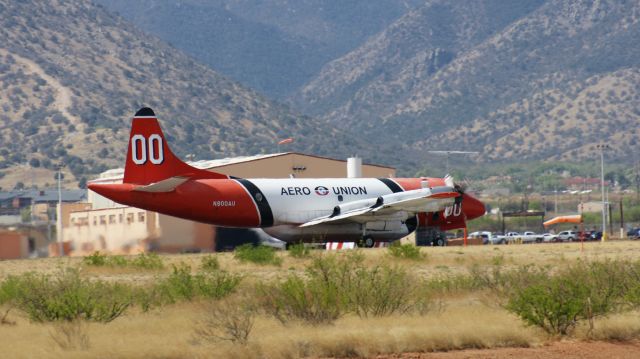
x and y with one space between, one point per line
440 242
368 241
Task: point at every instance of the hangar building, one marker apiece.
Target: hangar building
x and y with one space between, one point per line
110 227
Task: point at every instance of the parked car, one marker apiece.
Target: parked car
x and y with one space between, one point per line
633 233
596 235
531 237
549 237
487 237
509 237
567 236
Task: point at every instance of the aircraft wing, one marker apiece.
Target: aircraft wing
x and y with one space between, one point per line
414 201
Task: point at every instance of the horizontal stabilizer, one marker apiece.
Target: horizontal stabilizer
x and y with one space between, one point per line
166 185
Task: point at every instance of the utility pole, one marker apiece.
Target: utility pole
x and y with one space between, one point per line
621 220
603 147
59 212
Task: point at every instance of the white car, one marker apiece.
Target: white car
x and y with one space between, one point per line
567 236
487 237
548 237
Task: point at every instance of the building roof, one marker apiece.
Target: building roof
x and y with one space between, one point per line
47 195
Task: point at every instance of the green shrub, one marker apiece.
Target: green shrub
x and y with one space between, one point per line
183 285
308 300
142 261
257 254
227 320
335 285
147 261
405 251
299 250
118 261
554 304
209 263
582 291
96 259
66 297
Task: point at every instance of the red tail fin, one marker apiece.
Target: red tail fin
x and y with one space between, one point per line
149 158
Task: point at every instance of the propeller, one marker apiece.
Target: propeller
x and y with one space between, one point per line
460 188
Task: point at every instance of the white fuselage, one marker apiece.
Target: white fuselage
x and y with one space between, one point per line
296 201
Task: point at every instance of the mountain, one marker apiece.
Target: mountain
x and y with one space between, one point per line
271 46
72 74
514 80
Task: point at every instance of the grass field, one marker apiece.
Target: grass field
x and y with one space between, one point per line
458 318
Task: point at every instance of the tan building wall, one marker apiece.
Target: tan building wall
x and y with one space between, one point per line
128 230
124 230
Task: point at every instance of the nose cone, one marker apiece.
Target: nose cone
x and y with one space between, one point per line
472 207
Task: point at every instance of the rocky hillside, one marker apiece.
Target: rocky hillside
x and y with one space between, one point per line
535 79
72 75
271 46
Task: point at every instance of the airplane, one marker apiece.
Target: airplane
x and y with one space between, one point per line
364 210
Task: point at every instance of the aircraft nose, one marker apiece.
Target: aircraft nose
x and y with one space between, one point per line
472 207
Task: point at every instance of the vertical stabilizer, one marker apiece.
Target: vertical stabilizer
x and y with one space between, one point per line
149 158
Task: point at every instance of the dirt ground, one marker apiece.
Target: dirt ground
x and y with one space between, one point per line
563 349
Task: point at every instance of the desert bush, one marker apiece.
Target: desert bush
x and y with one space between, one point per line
257 254
335 285
209 263
71 335
582 291
68 297
147 261
299 250
8 294
181 284
554 304
405 251
150 261
306 300
226 321
383 290
96 259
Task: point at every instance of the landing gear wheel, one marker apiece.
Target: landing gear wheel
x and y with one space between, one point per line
368 241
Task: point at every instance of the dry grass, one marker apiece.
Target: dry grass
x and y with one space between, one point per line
169 332
621 327
467 320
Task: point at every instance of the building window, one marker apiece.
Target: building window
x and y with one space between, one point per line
112 219
141 217
120 218
129 217
103 219
95 221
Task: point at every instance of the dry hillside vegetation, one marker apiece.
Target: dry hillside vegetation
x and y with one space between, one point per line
535 79
217 305
73 74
